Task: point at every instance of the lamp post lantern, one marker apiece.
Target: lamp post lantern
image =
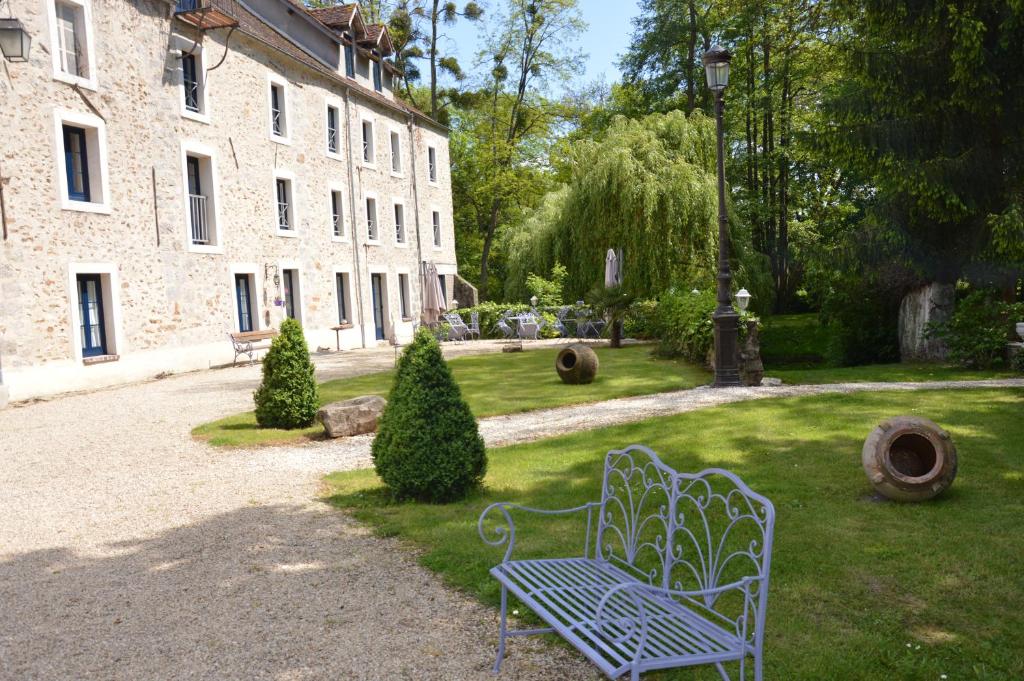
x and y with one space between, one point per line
15 41
726 319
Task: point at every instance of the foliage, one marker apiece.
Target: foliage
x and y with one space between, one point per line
862 316
428 446
685 327
1017 363
960 564
287 397
531 47
646 186
641 319
611 303
930 112
978 330
548 291
795 340
416 28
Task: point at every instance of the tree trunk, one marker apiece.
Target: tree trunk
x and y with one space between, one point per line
782 278
492 226
433 60
691 93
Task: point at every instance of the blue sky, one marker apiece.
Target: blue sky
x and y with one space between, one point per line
607 36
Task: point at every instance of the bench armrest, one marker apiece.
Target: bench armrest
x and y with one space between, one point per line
506 533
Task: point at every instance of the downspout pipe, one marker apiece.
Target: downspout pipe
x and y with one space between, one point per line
414 172
352 211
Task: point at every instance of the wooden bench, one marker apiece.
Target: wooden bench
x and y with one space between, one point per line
676 576
242 342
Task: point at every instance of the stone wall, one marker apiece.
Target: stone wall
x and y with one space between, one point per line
176 305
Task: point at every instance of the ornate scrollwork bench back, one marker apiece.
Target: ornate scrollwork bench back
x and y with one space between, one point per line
689 533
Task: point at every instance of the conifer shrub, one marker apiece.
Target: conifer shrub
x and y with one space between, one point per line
428 447
288 397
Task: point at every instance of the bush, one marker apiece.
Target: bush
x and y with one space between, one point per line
979 329
641 320
684 325
862 318
288 397
548 291
427 446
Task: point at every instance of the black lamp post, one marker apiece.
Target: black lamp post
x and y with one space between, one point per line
726 319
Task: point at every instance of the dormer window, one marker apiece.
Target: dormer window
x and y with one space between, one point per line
378 83
350 57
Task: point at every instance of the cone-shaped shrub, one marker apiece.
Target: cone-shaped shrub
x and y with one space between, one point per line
428 446
288 397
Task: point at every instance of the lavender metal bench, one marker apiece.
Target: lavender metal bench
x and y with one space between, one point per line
676 576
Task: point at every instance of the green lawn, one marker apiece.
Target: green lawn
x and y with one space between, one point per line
497 383
854 581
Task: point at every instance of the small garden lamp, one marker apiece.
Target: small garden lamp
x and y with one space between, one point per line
716 66
455 304
533 301
742 299
14 40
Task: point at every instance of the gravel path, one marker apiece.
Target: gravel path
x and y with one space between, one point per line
130 551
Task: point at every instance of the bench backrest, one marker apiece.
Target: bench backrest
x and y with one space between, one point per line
687 532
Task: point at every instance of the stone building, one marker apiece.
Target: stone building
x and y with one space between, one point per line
173 173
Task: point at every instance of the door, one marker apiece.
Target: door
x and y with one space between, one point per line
90 312
377 289
243 300
289 290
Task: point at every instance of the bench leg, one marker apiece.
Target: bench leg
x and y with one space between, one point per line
503 631
724 674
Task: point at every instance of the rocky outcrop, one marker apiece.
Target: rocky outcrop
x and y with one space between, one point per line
351 417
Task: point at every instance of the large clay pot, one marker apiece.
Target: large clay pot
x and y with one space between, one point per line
576 364
909 458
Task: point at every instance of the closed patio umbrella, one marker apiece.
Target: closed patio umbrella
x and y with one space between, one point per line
433 297
612 270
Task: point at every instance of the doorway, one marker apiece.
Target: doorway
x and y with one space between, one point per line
377 290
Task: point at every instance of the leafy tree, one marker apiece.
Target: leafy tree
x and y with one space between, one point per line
288 396
646 186
428 446
930 112
548 291
531 46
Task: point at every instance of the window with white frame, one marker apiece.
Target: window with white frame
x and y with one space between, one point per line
403 296
399 223
81 161
72 42
285 202
337 216
368 151
371 219
201 200
436 217
396 152
341 289
432 164
280 124
333 135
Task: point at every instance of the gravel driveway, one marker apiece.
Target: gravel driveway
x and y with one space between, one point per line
130 551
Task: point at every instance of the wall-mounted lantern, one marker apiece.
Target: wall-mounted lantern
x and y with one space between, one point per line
15 41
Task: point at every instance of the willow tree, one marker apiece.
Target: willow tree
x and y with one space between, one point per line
647 186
